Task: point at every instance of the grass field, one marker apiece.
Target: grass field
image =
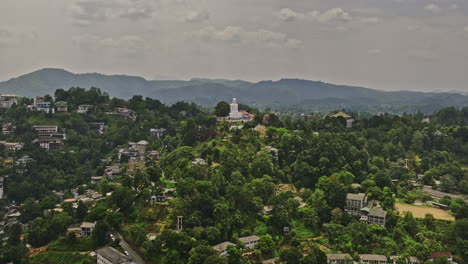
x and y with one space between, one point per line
421 211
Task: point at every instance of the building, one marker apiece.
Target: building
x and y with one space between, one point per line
373 215
355 202
41 105
139 146
95 180
87 228
51 143
7 128
61 106
250 241
372 259
13 146
157 132
111 172
349 119
199 162
98 127
46 130
369 211
8 100
339 258
222 248
409 260
442 254
83 109
110 255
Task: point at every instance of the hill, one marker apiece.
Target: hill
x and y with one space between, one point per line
284 94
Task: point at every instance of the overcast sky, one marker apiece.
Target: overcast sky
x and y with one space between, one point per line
381 44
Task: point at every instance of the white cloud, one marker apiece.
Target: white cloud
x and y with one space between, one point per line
466 29
327 16
197 16
127 44
433 8
369 20
86 12
453 6
239 35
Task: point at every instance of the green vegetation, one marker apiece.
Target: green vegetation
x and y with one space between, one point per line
61 258
229 184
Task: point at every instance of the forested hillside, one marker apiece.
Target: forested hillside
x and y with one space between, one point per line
293 95
280 180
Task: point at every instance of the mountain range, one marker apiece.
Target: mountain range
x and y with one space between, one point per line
285 94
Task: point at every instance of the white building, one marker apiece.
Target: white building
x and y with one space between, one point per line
222 248
83 109
41 105
250 241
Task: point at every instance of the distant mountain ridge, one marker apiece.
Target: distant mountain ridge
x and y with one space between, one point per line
298 94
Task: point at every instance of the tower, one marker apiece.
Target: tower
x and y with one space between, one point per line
179 223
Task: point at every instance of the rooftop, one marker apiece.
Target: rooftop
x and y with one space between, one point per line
223 246
372 257
87 225
113 255
249 239
441 254
339 256
355 196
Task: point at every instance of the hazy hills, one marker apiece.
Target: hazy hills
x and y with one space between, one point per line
301 95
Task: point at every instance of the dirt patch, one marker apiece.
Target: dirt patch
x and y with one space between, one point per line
421 211
33 252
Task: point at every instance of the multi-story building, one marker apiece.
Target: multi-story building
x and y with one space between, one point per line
8 100
41 105
369 211
61 106
355 202
46 130
51 143
250 241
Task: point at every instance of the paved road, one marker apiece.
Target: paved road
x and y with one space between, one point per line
132 253
438 194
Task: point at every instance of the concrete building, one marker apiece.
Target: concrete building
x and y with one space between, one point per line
372 259
51 143
8 100
41 105
61 106
95 180
45 130
355 202
13 146
441 254
222 248
157 132
349 119
339 258
110 255
87 228
409 260
369 211
83 109
250 241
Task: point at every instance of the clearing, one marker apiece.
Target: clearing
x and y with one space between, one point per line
421 211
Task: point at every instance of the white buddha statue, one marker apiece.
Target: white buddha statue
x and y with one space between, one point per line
235 114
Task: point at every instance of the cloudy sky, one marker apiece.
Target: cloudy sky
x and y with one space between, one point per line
382 44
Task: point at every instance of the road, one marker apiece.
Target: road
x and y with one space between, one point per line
132 253
438 194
